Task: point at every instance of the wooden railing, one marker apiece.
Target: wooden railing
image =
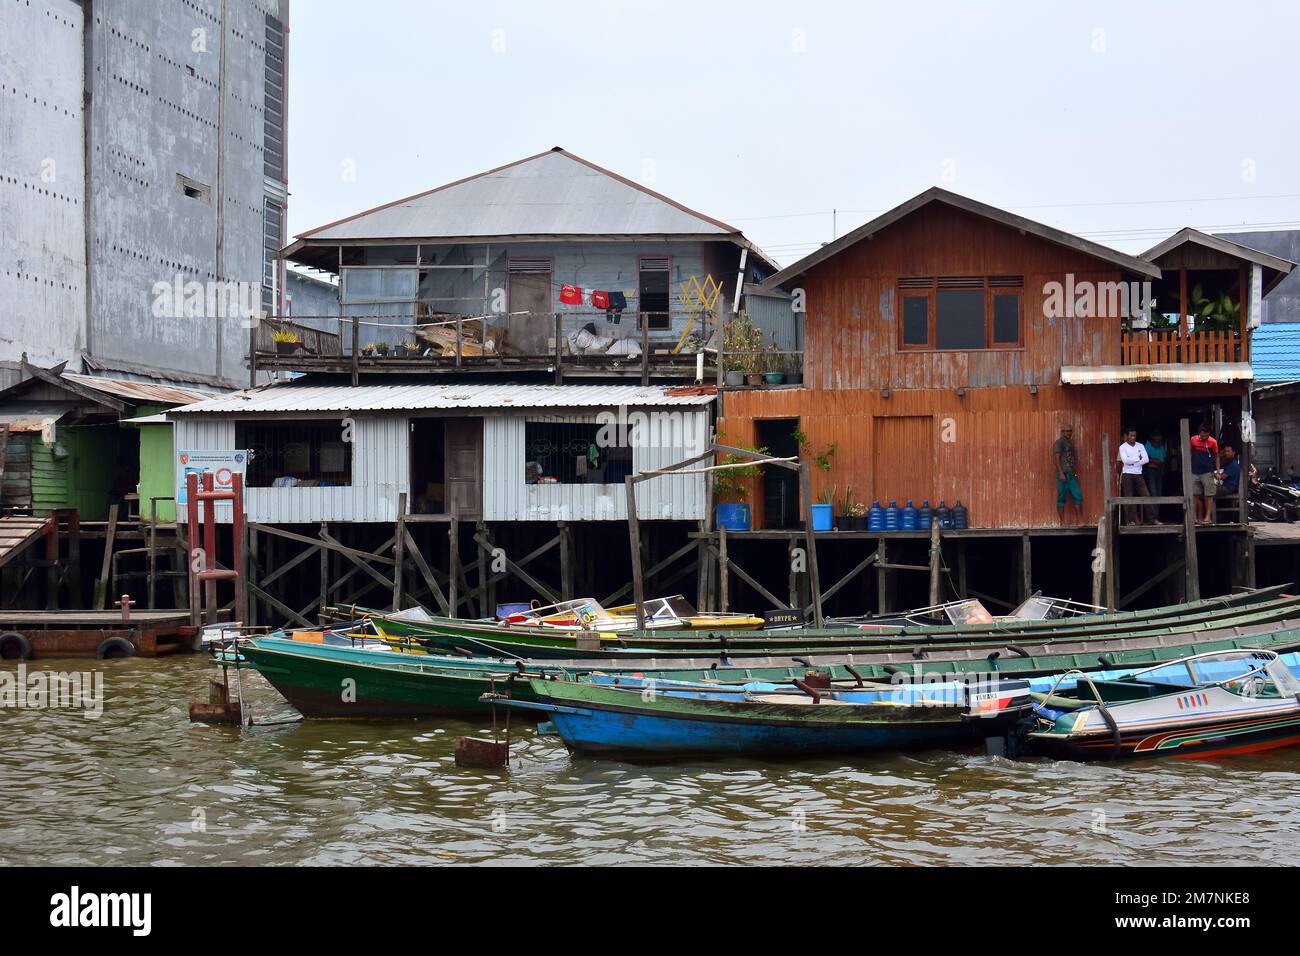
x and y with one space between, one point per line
1169 347
311 341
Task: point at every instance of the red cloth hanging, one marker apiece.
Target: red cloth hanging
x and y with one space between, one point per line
571 295
600 300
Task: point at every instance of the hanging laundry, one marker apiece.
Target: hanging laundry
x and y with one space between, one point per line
617 303
600 300
571 294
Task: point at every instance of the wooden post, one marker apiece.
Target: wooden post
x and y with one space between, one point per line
399 551
794 578
1191 564
936 555
724 571
1026 567
810 542
324 573
153 546
634 537
566 561
1099 561
645 348
356 346
453 565
883 603
961 567
559 349
101 589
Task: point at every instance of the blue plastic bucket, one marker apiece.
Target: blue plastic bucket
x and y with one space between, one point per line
823 519
733 517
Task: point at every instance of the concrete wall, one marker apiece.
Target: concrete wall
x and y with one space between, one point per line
173 89
42 184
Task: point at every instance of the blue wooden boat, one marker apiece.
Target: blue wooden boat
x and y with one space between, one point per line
599 718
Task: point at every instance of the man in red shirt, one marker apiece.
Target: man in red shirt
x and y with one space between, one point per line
1205 462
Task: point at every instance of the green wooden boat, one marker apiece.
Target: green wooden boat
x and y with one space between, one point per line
446 635
331 681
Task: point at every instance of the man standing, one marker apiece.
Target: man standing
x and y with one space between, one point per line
1065 461
1131 459
1205 462
1158 452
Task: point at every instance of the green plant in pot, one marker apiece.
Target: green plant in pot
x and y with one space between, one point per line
742 351
773 364
1219 314
731 489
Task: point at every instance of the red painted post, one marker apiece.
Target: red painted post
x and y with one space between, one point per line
192 532
209 547
237 541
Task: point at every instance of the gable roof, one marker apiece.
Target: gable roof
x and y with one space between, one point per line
1278 266
935 194
554 193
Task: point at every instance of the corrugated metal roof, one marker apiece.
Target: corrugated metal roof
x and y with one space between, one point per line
140 391
553 193
379 398
1275 352
1177 374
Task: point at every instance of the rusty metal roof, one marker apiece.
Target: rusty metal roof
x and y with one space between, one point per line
1204 372
139 392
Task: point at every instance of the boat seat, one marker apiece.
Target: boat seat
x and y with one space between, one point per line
1117 690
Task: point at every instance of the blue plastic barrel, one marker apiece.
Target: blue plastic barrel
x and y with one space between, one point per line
823 518
735 517
925 519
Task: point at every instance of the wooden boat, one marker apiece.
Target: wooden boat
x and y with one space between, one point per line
445 635
1205 705
971 611
389 685
593 718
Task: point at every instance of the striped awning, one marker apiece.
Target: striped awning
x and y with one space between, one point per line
1187 374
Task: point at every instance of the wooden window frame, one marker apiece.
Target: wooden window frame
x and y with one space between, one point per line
932 315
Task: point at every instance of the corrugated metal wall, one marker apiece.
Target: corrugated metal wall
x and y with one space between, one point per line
775 316
379 474
682 432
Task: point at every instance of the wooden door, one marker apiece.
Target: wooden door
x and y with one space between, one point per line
902 452
464 464
531 321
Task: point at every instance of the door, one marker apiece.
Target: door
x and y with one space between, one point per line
464 467
531 321
780 485
902 452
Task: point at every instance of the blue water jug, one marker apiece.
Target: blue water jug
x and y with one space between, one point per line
944 516
925 519
959 516
909 516
891 516
876 517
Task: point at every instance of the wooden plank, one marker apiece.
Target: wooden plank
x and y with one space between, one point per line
101 588
524 576
748 579
936 553
724 571
399 562
634 543
423 567
355 557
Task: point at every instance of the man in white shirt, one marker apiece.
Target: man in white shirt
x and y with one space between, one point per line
1130 461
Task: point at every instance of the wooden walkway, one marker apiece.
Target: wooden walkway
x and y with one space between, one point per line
17 532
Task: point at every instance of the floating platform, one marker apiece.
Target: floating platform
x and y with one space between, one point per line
85 633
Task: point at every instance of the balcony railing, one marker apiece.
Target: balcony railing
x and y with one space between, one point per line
649 345
1171 347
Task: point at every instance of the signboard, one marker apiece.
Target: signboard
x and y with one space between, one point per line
782 618
224 465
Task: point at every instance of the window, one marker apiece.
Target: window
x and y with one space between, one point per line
960 313
295 453
654 292
575 453
191 188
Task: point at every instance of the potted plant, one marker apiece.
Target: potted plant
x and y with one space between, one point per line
730 488
773 364
287 342
823 512
1220 314
742 348
858 516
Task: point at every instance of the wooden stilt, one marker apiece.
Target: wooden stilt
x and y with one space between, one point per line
936 559
101 589
724 572
399 551
453 566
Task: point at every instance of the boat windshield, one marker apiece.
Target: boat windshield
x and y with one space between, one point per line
1035 609
1232 665
1175 673
970 611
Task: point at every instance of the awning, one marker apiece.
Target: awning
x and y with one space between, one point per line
32 419
1189 374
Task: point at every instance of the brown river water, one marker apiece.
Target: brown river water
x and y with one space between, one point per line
142 785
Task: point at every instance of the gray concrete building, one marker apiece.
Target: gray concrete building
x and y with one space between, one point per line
142 184
1282 304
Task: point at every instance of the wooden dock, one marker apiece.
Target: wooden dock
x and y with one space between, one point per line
86 633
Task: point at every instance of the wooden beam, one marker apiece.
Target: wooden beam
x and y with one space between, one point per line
363 564
834 588
280 606
936 555
724 571
810 542
523 575
634 543
399 551
1191 563
1151 582
425 572
1099 561
330 543
748 579
101 588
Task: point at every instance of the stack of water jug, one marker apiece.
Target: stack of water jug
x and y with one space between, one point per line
912 518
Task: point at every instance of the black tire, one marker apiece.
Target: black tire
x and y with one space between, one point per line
14 647
115 647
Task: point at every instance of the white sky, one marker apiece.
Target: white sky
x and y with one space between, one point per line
1118 121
